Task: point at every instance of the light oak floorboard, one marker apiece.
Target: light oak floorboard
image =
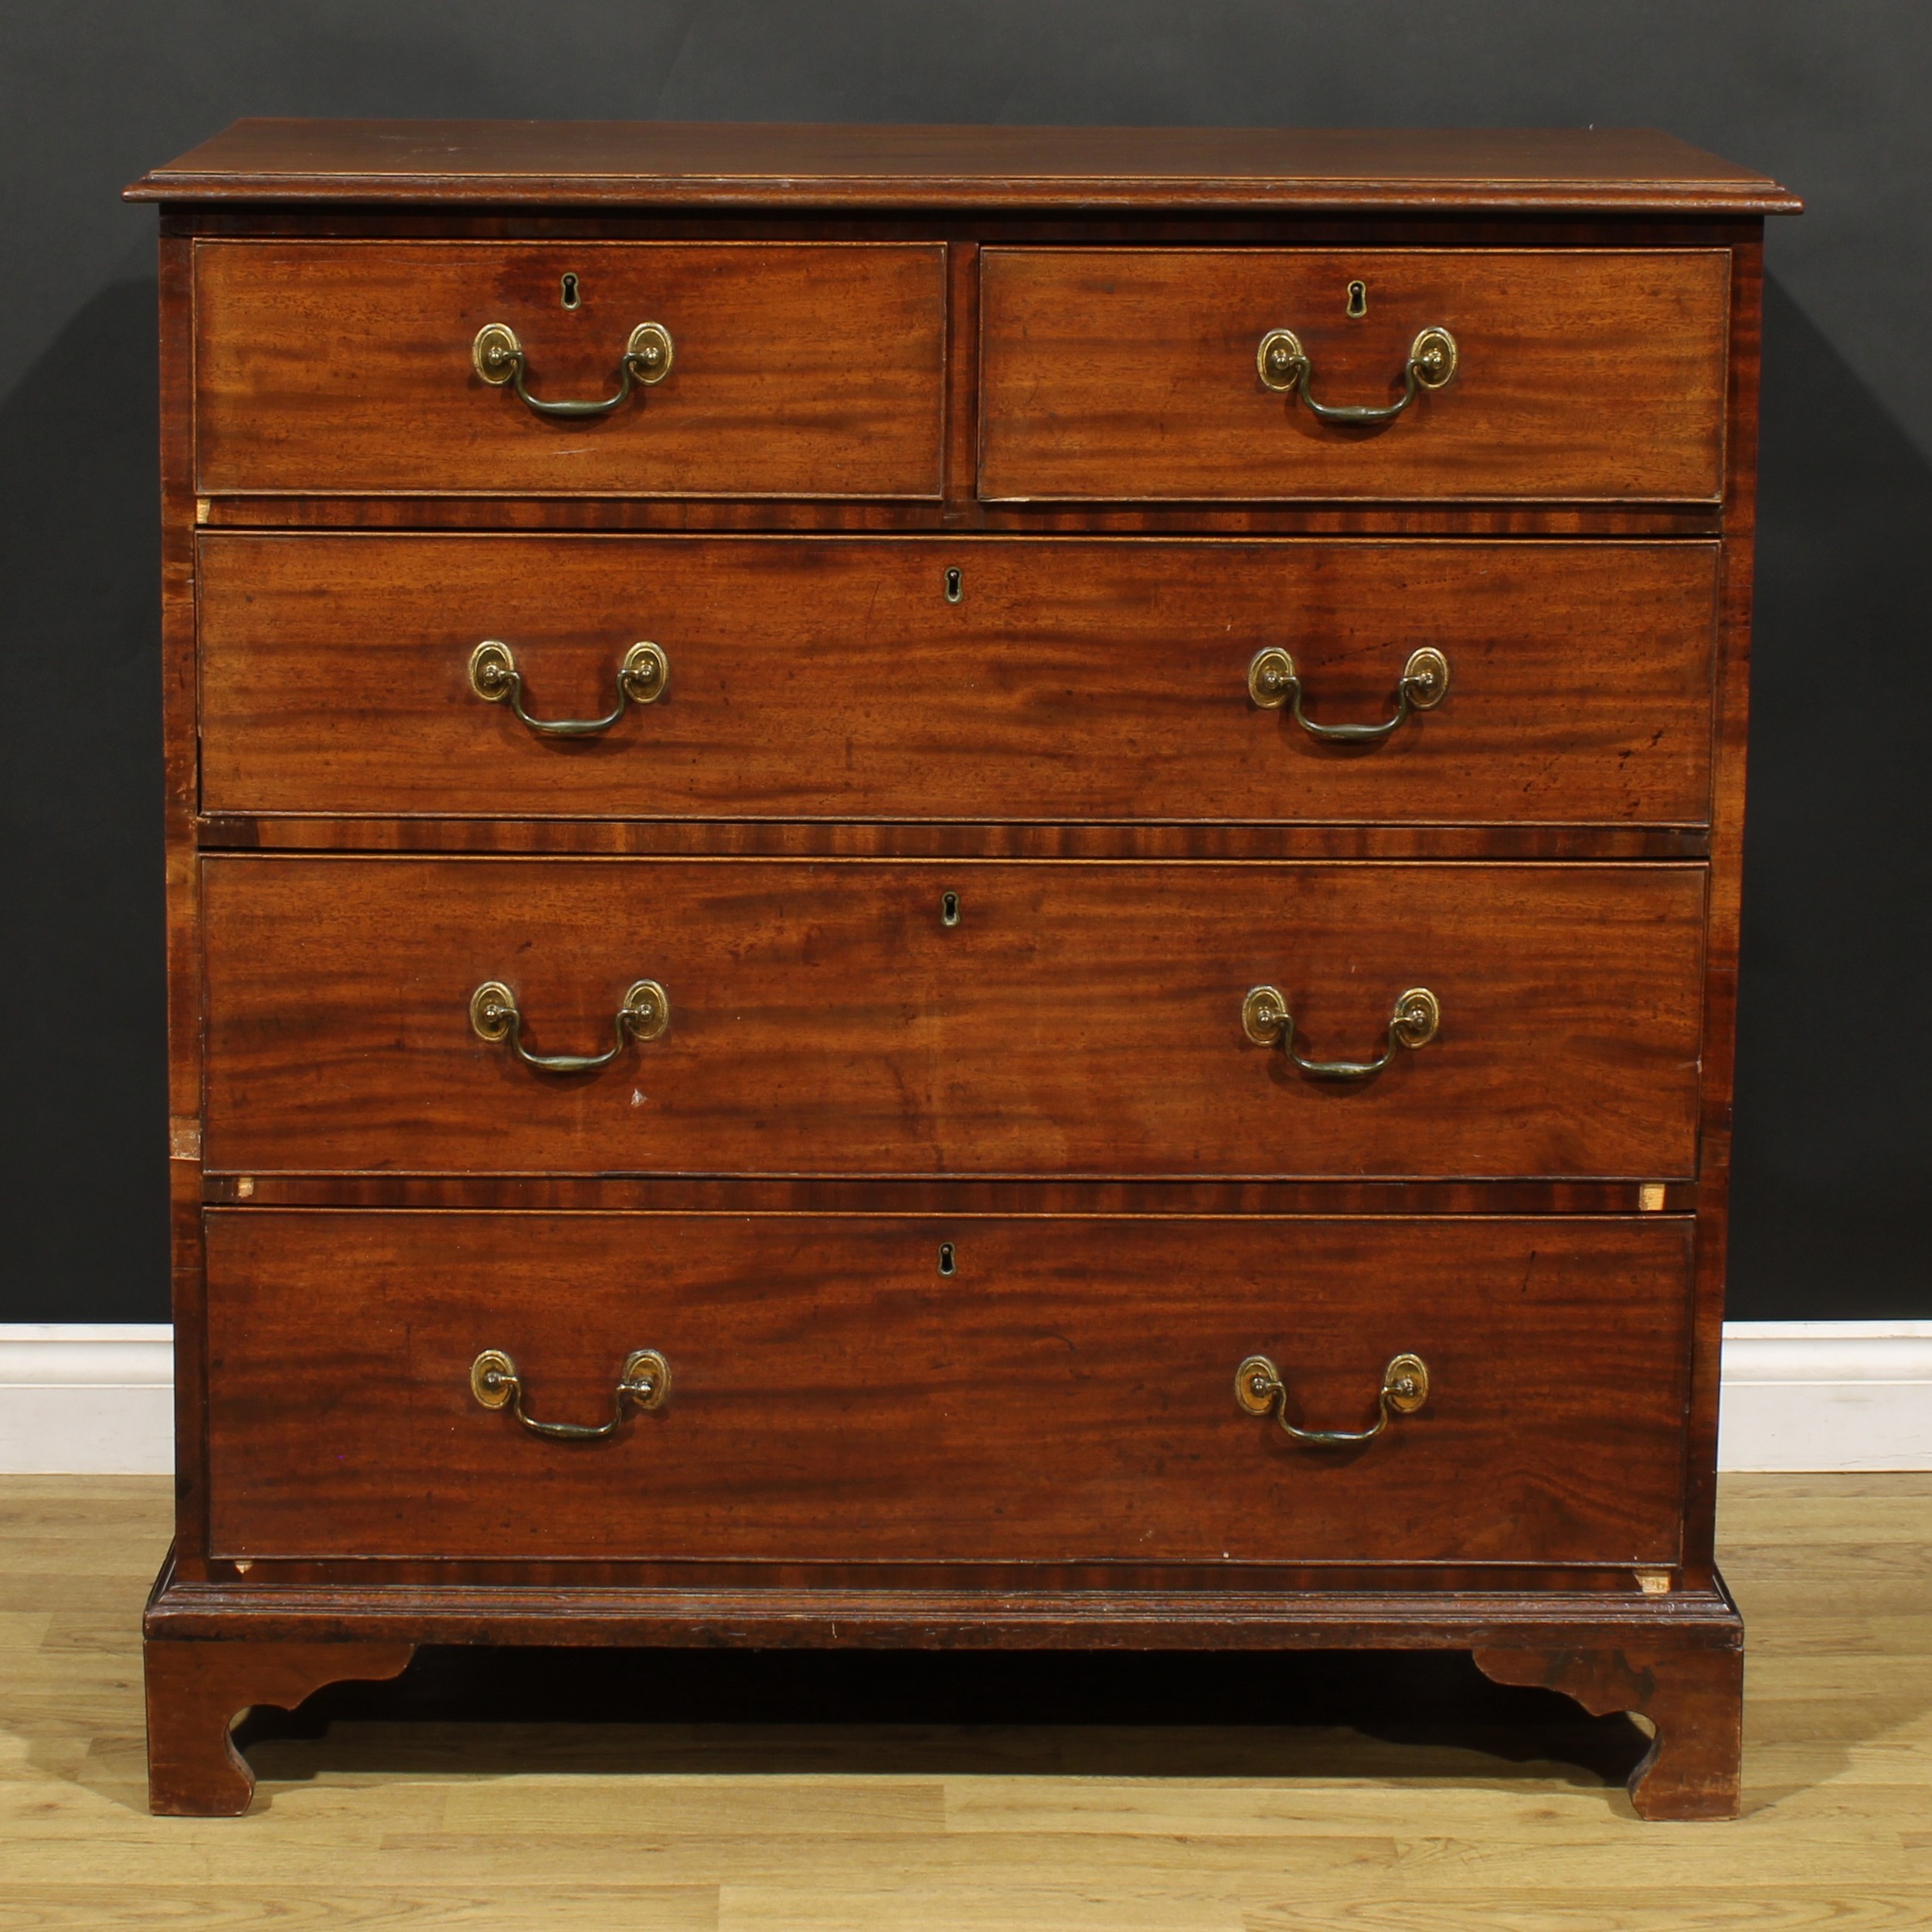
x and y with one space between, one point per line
1459 1809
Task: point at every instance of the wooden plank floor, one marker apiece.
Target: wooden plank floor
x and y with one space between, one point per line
1133 1795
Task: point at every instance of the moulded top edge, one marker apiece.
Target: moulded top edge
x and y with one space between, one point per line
673 165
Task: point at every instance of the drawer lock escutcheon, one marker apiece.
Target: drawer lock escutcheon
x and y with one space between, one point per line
1273 682
1285 364
498 358
494 677
1266 1020
1259 1389
644 1380
495 1015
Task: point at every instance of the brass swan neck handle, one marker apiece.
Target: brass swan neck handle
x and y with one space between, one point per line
498 357
1266 1020
644 1380
495 1015
1273 682
1259 1389
1283 364
494 677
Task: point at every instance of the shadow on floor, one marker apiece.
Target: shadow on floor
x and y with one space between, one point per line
1414 1716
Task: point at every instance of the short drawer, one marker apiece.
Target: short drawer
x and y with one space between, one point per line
1067 1393
971 1018
1018 680
1579 374
793 368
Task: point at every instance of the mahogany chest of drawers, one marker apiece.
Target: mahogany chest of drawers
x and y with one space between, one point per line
952 887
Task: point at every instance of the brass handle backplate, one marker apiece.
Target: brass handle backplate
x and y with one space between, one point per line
495 679
1284 364
1273 682
498 357
1266 1020
644 1380
1258 1387
495 1015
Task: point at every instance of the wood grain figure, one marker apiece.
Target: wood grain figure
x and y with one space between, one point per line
1113 374
1074 1019
836 680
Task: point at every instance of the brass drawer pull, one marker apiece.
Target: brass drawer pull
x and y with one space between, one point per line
494 677
1285 364
1266 1020
1273 682
645 1379
498 357
644 1014
1258 1387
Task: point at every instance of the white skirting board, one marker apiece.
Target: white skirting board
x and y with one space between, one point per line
1826 1395
85 1400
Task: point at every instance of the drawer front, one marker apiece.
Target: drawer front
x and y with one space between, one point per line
1066 1394
1078 1018
1072 680
1579 374
797 368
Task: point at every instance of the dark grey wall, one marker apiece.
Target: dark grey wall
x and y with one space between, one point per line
1836 1050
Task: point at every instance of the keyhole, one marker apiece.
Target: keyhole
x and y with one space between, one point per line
949 909
946 1263
955 586
570 292
1358 298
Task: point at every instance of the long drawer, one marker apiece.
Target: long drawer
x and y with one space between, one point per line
975 1018
1070 680
1066 1392
1579 374
786 368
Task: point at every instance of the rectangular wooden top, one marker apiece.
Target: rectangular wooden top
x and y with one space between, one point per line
611 164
